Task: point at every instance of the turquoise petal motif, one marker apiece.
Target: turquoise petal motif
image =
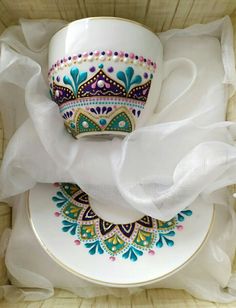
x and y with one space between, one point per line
132 254
127 78
181 215
164 237
77 79
94 247
102 237
59 199
69 227
121 75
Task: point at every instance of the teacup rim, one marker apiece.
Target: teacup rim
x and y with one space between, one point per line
106 17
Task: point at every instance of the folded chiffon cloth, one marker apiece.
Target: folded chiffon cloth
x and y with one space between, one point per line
140 174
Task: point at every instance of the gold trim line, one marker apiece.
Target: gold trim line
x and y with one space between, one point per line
105 18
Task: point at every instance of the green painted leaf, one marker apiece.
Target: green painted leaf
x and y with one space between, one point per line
68 81
121 75
74 74
82 77
137 80
129 73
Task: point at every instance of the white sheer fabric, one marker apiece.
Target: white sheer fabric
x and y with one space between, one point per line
186 149
141 172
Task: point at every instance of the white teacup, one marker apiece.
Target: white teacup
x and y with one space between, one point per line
105 74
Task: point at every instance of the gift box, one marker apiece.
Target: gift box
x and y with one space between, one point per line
159 16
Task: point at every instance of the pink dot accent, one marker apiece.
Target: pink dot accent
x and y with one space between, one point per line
58 63
141 58
121 53
112 259
77 242
151 252
180 227
148 61
85 54
65 59
96 53
131 55
154 65
74 57
56 184
57 214
109 52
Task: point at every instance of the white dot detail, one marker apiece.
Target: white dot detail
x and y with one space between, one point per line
102 58
57 93
122 124
100 83
115 58
85 124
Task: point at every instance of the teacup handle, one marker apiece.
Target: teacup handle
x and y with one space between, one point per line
168 67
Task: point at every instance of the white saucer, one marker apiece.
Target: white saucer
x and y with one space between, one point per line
134 254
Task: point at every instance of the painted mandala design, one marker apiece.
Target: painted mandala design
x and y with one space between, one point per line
100 98
128 241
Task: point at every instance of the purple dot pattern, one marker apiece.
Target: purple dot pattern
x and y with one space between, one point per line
92 69
110 69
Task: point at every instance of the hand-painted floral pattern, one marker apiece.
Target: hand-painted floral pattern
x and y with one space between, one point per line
82 89
129 241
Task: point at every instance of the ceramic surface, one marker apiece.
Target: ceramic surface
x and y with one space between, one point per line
105 75
136 253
